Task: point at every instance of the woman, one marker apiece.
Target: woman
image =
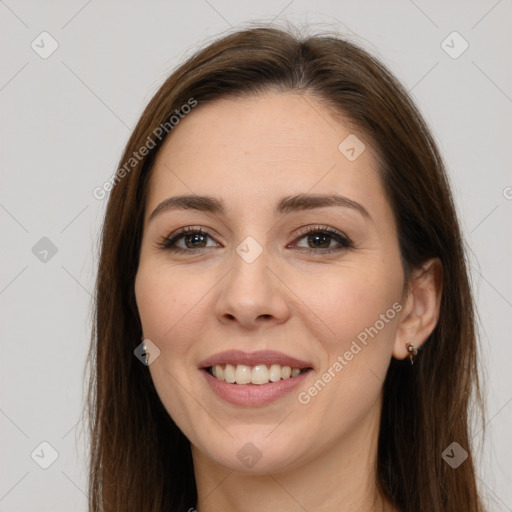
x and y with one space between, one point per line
283 314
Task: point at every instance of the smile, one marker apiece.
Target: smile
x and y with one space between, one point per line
258 374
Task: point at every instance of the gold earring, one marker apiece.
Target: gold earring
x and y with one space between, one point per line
412 351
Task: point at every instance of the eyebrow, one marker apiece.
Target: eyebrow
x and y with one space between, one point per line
286 204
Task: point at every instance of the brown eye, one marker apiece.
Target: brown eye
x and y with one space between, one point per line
319 240
193 239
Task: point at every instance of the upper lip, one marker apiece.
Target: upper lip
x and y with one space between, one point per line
253 358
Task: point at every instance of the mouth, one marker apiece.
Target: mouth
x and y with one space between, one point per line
254 379
258 375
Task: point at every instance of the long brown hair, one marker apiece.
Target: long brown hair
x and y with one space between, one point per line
139 459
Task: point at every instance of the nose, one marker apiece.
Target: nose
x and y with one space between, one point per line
252 294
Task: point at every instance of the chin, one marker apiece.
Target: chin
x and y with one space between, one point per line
255 454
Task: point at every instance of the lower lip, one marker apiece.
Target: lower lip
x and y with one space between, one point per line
253 395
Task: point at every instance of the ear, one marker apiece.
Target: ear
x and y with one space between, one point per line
422 303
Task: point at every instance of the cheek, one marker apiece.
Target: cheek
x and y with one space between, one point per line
351 298
359 308
152 299
161 302
169 305
173 305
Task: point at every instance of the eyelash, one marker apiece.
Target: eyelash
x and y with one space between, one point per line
167 243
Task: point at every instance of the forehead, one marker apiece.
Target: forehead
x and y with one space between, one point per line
253 148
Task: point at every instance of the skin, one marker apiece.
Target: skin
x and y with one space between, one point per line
250 152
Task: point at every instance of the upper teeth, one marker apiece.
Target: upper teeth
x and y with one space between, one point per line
259 374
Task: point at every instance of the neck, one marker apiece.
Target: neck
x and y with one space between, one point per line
341 477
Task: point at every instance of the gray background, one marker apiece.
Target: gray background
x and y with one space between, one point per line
66 118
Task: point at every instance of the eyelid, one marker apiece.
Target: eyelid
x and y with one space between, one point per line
323 229
343 240
165 242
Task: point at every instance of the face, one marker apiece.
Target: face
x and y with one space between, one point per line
265 282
